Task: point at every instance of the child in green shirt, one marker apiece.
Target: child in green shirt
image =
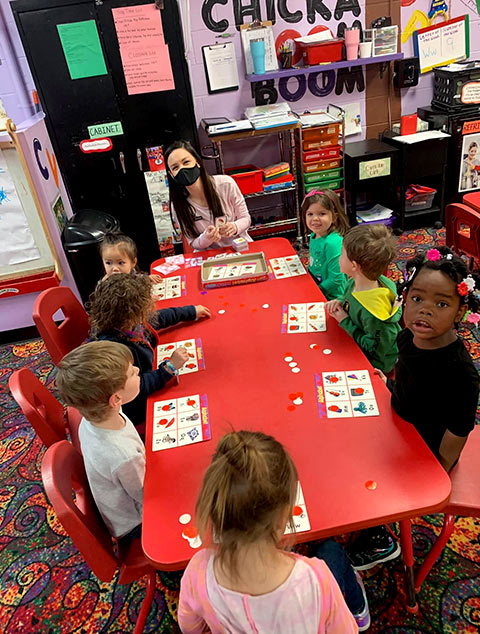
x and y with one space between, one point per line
323 215
368 309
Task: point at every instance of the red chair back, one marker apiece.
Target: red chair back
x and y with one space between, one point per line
465 476
40 407
463 230
72 331
63 472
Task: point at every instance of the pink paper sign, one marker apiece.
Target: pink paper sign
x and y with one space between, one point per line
145 56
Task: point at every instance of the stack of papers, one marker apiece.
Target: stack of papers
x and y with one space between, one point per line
421 136
322 36
378 212
270 116
231 126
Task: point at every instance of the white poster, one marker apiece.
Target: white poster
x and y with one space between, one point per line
353 121
16 238
470 163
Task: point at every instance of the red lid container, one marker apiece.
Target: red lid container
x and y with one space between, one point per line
322 52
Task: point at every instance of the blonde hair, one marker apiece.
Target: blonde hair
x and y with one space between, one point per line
120 301
251 481
329 200
89 375
372 247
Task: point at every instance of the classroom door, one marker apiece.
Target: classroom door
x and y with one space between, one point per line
111 181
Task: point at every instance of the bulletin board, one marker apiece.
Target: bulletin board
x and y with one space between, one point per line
442 44
27 251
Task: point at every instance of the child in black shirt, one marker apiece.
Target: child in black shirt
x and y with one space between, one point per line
436 385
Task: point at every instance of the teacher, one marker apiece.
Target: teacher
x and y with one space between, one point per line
210 210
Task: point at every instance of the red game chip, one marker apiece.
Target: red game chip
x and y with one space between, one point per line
190 531
190 402
291 408
297 510
358 390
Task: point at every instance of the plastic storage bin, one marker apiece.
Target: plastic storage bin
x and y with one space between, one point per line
330 152
317 166
322 52
320 137
419 197
249 178
457 91
325 175
336 184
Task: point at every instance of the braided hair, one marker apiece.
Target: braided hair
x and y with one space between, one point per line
448 262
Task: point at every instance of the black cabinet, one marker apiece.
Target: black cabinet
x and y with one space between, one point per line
421 163
112 181
370 171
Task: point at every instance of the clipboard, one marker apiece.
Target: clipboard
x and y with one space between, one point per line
255 30
220 67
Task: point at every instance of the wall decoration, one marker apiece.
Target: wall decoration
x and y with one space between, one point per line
469 178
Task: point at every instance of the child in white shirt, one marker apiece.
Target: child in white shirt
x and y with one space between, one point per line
97 378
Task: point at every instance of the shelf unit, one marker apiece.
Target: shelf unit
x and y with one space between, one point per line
327 171
422 163
289 195
318 68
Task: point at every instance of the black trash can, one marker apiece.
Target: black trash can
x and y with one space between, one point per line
81 237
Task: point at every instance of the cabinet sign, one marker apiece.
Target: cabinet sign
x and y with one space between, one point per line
101 130
374 169
96 145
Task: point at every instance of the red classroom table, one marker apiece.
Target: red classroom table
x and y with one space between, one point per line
472 200
248 383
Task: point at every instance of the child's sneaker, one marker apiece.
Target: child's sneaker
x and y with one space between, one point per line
363 618
373 547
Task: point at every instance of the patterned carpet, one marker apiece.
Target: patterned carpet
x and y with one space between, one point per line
46 588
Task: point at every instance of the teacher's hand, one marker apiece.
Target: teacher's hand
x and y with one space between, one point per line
228 230
212 233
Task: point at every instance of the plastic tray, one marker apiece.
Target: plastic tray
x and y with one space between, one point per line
248 178
259 275
329 164
325 175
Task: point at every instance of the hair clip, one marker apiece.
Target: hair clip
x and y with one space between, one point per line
449 256
433 255
408 278
466 286
471 318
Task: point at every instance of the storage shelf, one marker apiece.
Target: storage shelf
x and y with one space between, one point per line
277 226
275 191
300 70
422 212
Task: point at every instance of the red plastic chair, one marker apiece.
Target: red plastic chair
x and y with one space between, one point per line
72 331
463 230
63 471
45 414
464 500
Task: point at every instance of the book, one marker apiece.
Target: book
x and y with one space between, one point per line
282 178
231 126
275 169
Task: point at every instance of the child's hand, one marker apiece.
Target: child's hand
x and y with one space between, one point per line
380 374
212 233
228 230
179 358
202 311
338 313
156 279
332 306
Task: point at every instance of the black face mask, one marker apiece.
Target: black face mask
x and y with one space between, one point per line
187 176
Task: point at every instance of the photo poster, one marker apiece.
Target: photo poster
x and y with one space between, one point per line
266 32
220 67
58 209
442 44
145 55
158 193
469 179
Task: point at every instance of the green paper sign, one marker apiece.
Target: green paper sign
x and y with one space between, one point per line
82 49
374 169
101 130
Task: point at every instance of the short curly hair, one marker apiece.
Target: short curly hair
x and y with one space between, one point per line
121 301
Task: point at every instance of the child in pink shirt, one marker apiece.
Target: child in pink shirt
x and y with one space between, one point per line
244 581
210 210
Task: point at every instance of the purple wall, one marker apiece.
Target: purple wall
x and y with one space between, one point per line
16 83
233 104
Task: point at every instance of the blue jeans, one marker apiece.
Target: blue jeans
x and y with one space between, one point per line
336 559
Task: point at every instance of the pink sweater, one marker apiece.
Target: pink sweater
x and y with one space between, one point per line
309 601
235 210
